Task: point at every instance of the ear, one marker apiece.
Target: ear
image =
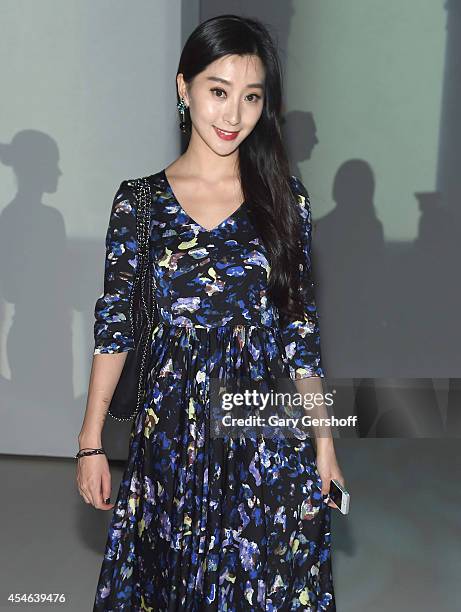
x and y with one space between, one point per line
182 87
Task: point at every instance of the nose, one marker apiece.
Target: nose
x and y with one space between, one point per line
232 113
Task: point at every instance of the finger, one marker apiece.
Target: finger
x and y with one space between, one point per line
105 504
89 492
98 501
85 497
95 497
105 493
326 486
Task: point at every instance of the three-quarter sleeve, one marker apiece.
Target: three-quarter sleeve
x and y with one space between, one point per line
113 331
301 338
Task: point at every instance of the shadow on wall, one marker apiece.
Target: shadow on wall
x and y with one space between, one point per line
387 310
41 276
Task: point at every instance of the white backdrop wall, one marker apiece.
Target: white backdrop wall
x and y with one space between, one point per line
88 96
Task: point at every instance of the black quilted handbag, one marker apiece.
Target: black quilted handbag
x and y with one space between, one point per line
129 392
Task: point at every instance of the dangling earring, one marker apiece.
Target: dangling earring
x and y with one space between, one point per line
182 107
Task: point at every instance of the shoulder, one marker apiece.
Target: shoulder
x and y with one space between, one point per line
131 189
123 195
302 197
128 186
299 189
153 179
123 205
132 193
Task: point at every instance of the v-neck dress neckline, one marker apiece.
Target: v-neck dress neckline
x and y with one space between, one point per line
193 221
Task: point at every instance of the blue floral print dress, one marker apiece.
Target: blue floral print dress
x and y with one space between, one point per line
206 523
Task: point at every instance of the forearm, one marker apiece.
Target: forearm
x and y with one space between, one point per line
311 390
105 374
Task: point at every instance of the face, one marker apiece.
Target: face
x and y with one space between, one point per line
225 101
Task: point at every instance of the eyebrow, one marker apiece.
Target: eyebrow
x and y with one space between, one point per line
220 80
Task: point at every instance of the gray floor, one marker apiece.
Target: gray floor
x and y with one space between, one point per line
399 549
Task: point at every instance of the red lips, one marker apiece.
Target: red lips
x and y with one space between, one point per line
225 135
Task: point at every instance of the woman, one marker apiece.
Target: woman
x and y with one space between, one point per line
205 522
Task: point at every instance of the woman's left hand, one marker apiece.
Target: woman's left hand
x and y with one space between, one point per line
327 466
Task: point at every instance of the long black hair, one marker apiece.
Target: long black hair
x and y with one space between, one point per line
263 162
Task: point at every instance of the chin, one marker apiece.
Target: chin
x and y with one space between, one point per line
224 148
226 153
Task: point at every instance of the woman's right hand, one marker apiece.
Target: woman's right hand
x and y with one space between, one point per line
94 481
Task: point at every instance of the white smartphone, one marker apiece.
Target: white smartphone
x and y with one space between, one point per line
339 496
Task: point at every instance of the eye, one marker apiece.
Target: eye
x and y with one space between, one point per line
218 89
255 96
